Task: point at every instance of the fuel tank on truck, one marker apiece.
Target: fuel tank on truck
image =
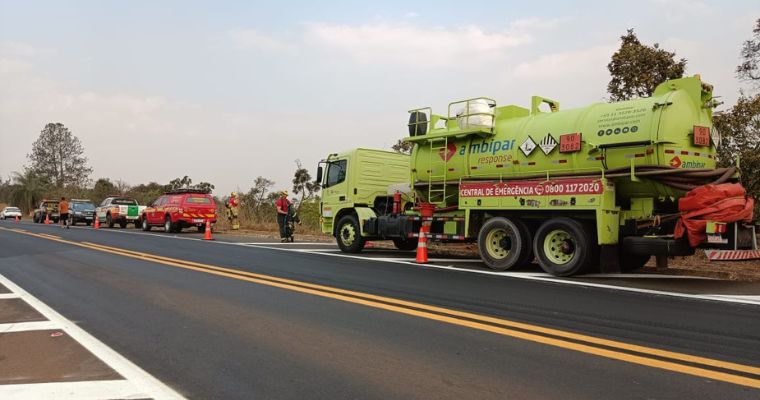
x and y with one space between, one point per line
672 129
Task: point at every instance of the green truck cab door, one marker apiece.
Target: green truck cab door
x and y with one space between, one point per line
335 190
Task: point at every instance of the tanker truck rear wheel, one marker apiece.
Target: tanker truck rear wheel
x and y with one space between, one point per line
564 246
348 235
504 243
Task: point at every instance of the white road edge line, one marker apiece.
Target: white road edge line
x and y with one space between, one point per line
8 296
749 300
28 326
144 385
736 299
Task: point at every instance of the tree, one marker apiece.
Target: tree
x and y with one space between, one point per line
102 189
28 189
740 130
145 194
186 183
303 184
749 69
403 147
122 187
204 186
257 195
637 69
58 156
179 183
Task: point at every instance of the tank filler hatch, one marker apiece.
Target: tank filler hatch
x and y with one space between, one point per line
474 116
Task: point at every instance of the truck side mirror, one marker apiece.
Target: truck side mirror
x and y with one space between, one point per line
319 174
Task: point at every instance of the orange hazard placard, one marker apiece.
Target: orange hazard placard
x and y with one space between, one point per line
570 143
701 136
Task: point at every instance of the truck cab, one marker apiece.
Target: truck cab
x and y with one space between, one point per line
358 186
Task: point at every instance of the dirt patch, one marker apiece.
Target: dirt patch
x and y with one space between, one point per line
45 356
17 310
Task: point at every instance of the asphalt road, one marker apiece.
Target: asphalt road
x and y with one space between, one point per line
236 321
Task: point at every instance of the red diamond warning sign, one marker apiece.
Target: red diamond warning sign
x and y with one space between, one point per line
449 152
675 162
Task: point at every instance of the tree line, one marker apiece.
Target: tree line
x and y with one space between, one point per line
58 167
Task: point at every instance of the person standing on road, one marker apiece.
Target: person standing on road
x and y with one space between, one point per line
282 214
233 207
63 213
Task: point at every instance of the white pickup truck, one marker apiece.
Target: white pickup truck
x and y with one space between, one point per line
119 210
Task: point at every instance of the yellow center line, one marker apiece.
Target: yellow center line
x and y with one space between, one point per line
480 322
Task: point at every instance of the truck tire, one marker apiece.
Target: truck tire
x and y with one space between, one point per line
348 235
405 244
564 246
72 221
123 223
145 225
109 221
504 243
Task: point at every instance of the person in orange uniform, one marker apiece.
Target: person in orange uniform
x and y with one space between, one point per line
63 212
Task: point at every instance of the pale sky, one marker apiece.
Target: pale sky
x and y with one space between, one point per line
226 91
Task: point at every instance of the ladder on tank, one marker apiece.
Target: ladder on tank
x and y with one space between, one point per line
437 182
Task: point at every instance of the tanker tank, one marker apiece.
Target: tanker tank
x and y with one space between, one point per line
657 147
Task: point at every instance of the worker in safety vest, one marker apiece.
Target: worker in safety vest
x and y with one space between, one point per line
233 209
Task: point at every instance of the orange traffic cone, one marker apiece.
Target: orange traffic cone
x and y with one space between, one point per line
96 225
47 219
207 236
422 254
369 245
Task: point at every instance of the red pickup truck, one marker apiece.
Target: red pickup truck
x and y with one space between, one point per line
180 209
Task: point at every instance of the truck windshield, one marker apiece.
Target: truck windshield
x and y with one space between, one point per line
336 172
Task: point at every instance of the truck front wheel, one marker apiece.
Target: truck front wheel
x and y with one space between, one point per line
109 221
504 243
564 246
349 236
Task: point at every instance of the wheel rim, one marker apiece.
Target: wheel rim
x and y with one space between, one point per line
559 246
144 223
167 225
347 234
498 244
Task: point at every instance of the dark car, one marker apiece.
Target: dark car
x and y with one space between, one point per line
81 211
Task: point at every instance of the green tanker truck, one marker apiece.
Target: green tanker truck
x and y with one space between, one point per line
573 189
